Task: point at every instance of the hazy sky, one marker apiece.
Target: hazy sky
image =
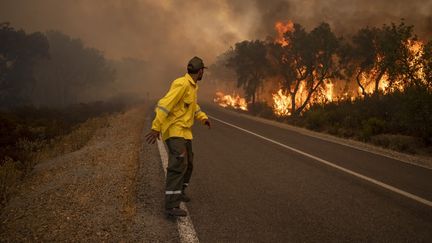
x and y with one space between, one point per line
167 33
167 28
137 28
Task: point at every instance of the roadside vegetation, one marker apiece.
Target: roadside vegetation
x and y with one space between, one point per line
29 135
54 94
399 121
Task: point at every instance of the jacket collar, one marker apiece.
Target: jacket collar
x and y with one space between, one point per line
190 79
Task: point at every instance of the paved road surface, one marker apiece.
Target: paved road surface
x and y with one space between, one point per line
246 189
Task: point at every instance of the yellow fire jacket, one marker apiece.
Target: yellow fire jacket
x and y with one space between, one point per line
176 111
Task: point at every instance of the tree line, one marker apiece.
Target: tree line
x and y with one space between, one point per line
47 68
311 58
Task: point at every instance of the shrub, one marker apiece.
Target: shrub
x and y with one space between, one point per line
10 175
316 120
261 109
402 143
29 135
372 126
406 114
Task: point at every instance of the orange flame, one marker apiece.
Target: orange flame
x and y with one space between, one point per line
416 49
281 28
368 80
328 92
281 100
234 101
281 103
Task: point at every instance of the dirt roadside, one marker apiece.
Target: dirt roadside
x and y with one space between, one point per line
110 190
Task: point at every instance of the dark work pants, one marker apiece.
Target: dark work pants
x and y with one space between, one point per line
179 171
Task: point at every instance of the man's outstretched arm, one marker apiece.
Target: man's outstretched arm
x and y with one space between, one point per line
201 116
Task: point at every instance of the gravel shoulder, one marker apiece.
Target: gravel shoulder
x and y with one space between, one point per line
110 190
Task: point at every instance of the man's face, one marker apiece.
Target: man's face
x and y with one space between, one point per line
200 74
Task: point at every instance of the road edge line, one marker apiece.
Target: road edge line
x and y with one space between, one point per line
185 226
366 178
370 148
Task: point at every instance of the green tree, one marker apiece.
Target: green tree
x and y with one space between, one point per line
218 71
18 53
251 66
71 70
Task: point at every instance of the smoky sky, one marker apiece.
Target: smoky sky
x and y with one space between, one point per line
347 16
167 33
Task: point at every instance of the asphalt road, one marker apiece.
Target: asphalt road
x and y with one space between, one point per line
246 189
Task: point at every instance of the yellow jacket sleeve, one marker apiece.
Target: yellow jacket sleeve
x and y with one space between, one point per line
167 103
200 115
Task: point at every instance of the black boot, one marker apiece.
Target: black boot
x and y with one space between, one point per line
176 212
184 197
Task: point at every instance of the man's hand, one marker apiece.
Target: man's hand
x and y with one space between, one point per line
207 123
152 136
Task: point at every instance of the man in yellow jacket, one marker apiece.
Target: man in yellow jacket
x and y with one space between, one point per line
175 115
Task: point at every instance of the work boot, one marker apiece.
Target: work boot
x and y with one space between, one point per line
184 197
176 212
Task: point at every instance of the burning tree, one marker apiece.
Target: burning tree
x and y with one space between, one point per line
384 58
316 67
362 55
305 61
396 57
426 62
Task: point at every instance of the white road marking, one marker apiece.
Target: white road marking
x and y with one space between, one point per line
376 182
330 138
184 224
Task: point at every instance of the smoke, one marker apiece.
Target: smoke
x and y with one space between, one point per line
167 33
346 17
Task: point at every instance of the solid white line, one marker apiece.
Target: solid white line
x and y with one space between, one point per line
327 138
376 182
184 224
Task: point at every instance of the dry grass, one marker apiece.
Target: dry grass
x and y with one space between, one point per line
12 172
73 141
10 175
90 195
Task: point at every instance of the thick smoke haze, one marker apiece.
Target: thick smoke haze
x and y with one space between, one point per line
166 34
345 16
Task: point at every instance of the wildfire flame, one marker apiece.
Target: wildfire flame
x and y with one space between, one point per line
234 101
328 91
416 48
368 81
281 28
281 100
281 103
